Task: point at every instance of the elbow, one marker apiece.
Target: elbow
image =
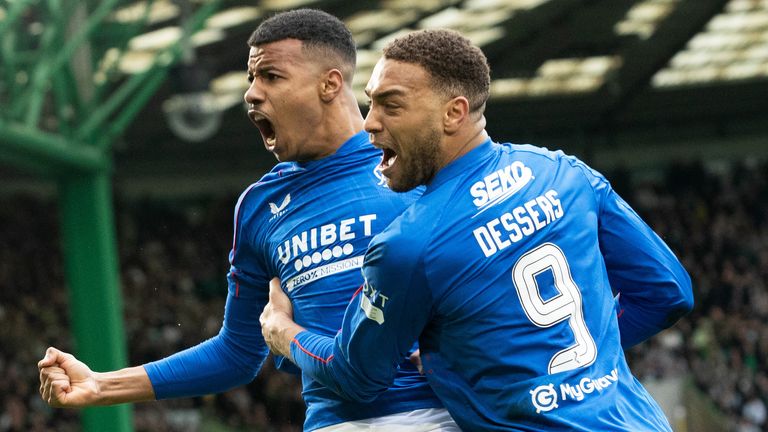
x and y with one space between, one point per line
685 303
245 360
358 387
239 376
360 394
686 294
678 312
248 371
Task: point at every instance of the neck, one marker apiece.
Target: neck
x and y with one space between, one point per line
350 113
339 122
466 139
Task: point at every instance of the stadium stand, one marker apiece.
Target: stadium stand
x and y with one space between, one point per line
173 261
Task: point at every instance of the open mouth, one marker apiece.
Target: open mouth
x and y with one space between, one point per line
388 158
265 127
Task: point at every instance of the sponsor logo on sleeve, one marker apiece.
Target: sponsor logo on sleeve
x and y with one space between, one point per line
372 302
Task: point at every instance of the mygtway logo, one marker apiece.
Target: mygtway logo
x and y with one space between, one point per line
545 397
278 210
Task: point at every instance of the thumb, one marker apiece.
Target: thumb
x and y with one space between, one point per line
52 356
276 295
415 358
278 299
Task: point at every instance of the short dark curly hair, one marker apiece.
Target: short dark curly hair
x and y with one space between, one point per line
319 31
457 67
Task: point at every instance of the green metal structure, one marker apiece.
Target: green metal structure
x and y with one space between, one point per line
58 121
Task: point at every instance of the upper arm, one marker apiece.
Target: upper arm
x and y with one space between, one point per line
394 304
379 328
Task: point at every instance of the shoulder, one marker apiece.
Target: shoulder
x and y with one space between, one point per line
244 201
404 240
543 155
260 200
249 198
537 153
269 184
278 172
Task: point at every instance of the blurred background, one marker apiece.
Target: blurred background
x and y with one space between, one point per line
124 145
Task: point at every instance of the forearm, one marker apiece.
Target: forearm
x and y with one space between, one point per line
214 366
277 325
316 355
123 386
654 288
321 358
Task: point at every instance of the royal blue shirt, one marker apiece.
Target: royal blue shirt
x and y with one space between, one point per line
506 272
310 224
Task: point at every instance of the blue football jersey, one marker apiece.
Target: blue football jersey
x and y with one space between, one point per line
310 224
506 271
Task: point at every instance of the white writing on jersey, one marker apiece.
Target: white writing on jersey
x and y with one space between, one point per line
544 398
496 187
382 181
587 385
372 302
511 227
322 236
324 271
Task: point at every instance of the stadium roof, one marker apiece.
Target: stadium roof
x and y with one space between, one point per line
561 69
555 62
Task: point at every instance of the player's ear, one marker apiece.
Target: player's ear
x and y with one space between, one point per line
455 114
331 85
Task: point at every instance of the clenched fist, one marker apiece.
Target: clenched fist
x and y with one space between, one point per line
66 381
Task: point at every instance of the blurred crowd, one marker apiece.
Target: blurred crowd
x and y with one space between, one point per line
173 260
716 220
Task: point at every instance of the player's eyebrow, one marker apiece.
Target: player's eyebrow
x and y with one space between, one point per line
385 94
264 68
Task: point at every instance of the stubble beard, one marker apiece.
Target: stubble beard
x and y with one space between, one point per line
421 165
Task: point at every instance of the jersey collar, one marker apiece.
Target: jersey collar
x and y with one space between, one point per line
473 158
352 144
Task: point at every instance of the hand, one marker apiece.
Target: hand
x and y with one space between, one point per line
415 358
277 324
66 381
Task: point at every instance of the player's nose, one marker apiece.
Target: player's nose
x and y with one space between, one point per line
255 94
372 125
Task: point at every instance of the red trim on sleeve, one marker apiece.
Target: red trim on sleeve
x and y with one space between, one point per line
316 357
356 293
